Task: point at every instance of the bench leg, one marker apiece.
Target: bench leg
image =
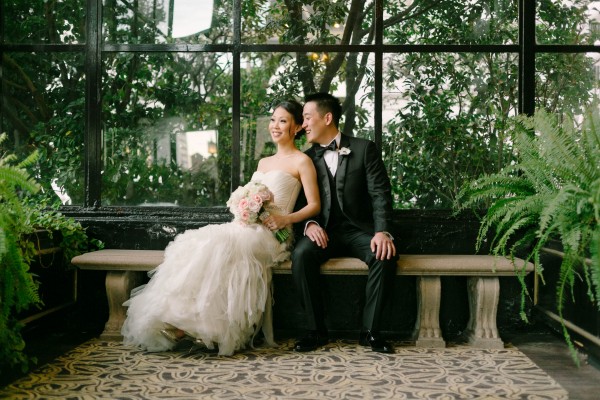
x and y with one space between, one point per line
118 289
484 293
427 331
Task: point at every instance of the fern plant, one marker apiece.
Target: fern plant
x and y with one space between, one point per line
551 192
18 290
22 215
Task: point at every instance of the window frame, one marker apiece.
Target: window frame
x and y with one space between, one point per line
94 50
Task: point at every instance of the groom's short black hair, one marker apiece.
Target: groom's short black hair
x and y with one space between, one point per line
327 103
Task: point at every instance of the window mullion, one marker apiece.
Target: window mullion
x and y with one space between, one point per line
527 49
93 127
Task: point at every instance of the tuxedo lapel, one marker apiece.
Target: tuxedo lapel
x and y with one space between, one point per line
324 186
340 175
322 177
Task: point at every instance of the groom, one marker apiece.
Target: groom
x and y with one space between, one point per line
355 220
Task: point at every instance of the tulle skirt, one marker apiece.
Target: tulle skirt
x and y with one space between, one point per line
214 284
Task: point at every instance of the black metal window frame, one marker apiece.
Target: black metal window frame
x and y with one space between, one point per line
94 49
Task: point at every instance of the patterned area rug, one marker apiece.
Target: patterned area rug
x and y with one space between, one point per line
340 370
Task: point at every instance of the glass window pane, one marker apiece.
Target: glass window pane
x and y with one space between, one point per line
167 21
293 75
43 108
451 22
567 22
443 122
39 21
167 129
307 22
567 83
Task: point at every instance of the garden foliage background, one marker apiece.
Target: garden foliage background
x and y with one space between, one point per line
444 109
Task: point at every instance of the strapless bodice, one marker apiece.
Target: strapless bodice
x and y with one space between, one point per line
285 187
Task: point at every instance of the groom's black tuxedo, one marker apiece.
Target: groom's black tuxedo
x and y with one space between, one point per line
355 204
362 186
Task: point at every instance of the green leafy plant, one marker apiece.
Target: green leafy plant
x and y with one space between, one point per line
18 289
551 192
45 218
22 217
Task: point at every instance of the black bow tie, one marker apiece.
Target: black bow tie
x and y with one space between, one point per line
320 150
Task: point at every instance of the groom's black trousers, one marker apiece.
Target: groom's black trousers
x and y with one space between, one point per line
344 241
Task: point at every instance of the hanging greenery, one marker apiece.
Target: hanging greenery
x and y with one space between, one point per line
551 192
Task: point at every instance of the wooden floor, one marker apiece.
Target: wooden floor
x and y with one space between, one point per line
550 353
48 340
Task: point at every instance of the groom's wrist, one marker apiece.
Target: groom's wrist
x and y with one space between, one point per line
389 235
308 224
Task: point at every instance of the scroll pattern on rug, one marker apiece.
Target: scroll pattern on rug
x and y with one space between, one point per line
340 370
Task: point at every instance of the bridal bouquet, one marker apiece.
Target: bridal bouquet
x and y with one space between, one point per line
247 204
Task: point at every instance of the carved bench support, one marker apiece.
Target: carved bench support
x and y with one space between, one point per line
484 293
118 289
427 331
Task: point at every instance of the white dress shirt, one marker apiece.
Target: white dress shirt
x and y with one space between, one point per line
331 157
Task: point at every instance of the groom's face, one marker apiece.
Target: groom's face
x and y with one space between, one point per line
315 124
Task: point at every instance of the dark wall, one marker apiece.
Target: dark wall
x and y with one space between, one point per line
416 232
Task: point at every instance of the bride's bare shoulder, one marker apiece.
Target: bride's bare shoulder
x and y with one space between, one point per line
303 159
301 156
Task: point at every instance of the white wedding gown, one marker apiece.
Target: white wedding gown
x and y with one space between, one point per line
214 282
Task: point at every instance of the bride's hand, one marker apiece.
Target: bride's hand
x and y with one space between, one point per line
275 222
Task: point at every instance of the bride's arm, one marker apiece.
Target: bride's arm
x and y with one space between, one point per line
308 177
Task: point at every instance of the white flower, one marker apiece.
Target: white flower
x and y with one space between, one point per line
344 151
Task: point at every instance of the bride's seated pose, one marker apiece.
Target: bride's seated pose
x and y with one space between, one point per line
214 282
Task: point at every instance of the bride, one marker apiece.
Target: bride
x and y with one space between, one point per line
214 283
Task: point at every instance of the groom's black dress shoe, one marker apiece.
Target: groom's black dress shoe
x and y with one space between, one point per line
312 341
373 339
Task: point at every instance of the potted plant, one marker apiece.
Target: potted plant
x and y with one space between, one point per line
552 192
22 218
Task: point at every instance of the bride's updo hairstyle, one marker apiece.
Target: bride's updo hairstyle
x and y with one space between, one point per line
294 108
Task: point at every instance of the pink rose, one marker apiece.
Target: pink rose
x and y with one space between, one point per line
265 195
258 198
243 204
254 206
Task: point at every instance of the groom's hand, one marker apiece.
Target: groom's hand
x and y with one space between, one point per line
317 234
383 246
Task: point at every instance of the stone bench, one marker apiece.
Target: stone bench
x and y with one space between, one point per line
127 269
